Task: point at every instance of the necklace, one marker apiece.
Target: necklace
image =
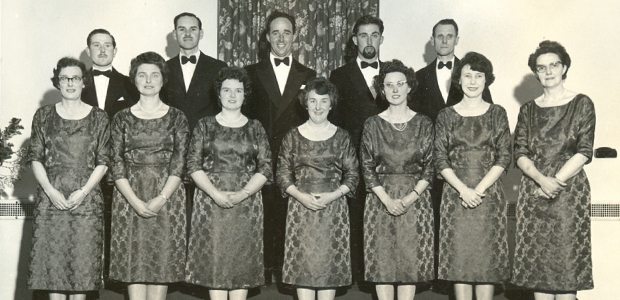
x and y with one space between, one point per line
220 117
399 126
153 110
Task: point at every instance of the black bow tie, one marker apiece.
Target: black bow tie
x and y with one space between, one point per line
448 65
106 73
373 65
279 61
185 59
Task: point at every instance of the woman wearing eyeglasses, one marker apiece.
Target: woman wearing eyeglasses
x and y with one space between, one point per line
553 141
69 155
396 158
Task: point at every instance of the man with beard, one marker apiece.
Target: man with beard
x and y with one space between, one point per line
276 82
110 90
357 101
190 85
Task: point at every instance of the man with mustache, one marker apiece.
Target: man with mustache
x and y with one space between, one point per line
192 74
358 101
110 90
276 82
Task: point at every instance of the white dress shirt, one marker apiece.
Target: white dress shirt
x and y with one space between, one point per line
444 77
188 68
101 86
368 72
281 71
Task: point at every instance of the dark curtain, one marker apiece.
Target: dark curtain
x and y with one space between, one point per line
323 30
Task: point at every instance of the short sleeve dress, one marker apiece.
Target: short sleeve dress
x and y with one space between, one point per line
472 241
398 249
226 244
553 247
146 152
317 245
67 245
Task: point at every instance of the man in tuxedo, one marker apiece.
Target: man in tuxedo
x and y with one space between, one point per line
276 82
358 101
435 90
192 74
110 90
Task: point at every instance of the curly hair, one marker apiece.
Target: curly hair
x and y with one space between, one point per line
393 66
151 58
68 62
476 62
321 86
548 46
234 73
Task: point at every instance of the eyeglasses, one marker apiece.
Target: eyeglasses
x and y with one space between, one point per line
552 66
394 85
65 79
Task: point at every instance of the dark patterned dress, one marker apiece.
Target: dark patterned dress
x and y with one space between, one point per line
146 152
553 249
317 245
397 248
473 245
67 250
226 244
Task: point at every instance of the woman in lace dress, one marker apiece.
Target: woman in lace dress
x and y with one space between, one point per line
396 158
229 160
317 167
553 142
69 155
149 142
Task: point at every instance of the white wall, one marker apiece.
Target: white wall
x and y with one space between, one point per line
507 32
35 34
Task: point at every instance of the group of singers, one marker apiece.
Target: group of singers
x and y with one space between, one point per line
348 175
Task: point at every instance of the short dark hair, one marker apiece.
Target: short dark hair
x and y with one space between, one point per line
365 20
99 31
476 62
393 66
148 58
548 46
321 86
233 73
68 62
446 22
278 14
187 14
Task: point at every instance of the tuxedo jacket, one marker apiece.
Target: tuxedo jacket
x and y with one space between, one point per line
427 97
201 98
121 93
277 112
355 100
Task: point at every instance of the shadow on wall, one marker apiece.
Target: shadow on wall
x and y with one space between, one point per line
86 59
429 54
172 47
51 96
528 89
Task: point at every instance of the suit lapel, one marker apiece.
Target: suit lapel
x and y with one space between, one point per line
268 80
114 85
358 82
91 92
294 81
176 74
199 73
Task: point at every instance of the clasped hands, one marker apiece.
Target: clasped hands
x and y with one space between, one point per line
229 199
550 187
471 198
397 207
60 202
317 201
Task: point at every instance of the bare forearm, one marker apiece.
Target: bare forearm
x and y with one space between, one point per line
94 178
203 182
450 177
255 183
527 166
171 185
489 179
125 189
40 174
571 167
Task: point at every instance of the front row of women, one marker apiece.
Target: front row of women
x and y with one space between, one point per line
229 159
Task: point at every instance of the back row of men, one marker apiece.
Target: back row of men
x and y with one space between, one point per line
276 82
